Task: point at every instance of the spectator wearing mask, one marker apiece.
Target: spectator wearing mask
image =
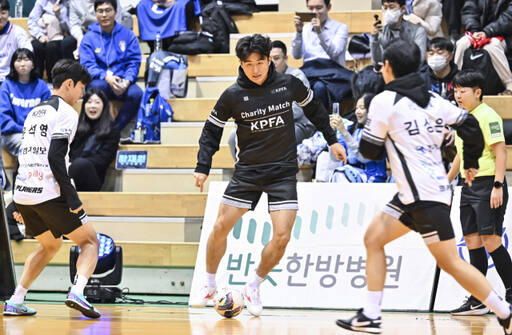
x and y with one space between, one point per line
21 91
358 169
12 37
487 19
395 27
440 69
111 54
95 144
48 23
82 15
428 14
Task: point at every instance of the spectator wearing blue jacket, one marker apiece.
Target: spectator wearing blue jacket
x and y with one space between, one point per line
111 54
21 91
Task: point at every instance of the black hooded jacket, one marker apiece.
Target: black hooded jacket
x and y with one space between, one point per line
265 136
414 87
442 86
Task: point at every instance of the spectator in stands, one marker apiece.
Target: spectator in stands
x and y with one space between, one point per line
358 169
82 15
21 91
303 127
48 23
428 14
111 54
322 37
440 68
95 144
12 37
323 43
451 13
395 27
489 20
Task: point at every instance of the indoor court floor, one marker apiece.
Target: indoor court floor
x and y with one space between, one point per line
142 319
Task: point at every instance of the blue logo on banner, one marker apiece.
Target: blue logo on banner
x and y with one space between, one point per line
131 159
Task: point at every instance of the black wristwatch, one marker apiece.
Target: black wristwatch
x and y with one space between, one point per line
498 184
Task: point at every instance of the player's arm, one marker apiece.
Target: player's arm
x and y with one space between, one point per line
372 144
318 115
57 160
210 139
500 152
469 131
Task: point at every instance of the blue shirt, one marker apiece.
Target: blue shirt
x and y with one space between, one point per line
17 100
154 19
118 52
331 43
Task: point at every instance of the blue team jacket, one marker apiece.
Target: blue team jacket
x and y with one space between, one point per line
17 100
118 52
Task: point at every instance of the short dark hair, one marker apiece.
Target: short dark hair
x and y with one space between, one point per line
367 99
253 43
21 53
66 69
399 2
105 123
440 43
4 5
280 45
327 2
404 57
101 2
470 78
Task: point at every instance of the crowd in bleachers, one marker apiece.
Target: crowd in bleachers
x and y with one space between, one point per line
99 34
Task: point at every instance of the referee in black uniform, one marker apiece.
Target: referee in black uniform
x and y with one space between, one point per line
260 102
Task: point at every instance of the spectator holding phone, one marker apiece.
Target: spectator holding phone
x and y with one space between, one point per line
320 38
393 28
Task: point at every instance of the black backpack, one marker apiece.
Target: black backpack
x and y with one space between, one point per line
367 81
216 20
192 43
479 60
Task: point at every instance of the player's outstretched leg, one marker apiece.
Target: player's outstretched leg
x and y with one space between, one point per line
34 264
215 250
85 238
282 223
383 229
445 253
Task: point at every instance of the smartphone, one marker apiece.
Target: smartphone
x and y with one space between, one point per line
305 16
377 20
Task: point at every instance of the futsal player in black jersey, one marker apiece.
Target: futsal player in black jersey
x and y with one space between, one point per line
260 102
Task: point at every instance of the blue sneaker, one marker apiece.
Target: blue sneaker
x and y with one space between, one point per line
18 309
79 303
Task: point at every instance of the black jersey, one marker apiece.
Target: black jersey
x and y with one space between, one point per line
265 134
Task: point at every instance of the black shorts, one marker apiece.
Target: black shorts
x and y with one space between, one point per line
245 193
429 218
53 215
476 214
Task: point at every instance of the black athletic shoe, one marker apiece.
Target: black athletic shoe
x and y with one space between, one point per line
471 306
361 323
507 323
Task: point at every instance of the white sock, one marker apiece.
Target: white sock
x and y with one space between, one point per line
255 280
80 282
499 306
19 295
210 279
372 309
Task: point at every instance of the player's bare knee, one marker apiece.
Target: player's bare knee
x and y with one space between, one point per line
473 241
372 240
281 241
220 231
491 242
52 248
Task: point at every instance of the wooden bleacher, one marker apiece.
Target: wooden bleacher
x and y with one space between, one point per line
140 254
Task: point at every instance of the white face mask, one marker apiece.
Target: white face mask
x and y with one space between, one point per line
391 16
437 62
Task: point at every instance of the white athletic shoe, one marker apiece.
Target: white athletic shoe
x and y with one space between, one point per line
253 301
201 299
